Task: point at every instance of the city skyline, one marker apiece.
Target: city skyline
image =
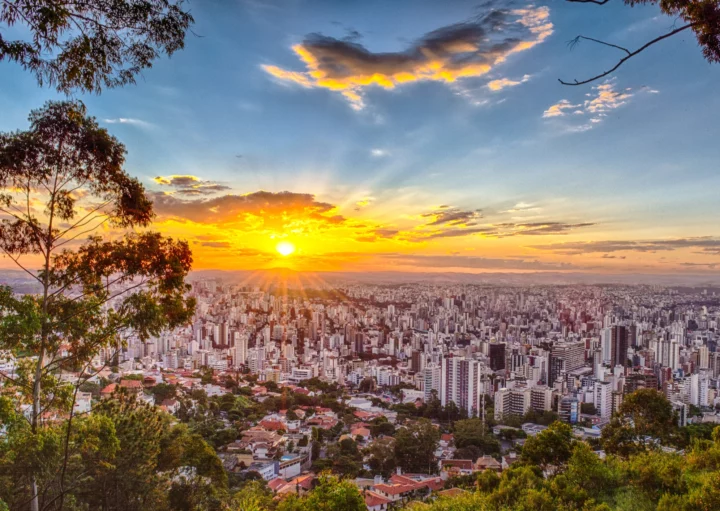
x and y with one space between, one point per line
358 136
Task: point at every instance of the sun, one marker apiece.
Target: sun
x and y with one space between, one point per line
285 248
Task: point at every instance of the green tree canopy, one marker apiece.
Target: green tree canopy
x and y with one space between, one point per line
415 446
644 419
62 179
87 46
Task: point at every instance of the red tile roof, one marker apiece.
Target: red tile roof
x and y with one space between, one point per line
372 499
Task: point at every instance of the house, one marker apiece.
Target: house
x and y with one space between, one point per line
299 485
509 459
108 391
487 463
170 405
445 440
272 425
131 386
375 501
267 470
394 492
452 468
360 431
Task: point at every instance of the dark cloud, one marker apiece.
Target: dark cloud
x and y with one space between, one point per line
468 49
215 244
545 228
177 181
377 234
462 232
453 216
458 223
271 210
190 185
475 262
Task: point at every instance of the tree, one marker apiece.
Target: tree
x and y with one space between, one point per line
473 433
332 494
586 470
345 458
702 17
644 418
86 46
163 391
588 408
381 426
551 447
415 446
380 456
254 496
67 163
127 455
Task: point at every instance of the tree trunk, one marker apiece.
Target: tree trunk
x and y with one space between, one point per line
35 422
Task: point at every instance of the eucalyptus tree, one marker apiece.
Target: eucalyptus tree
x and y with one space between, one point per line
63 180
87 45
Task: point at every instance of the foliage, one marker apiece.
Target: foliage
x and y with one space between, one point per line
415 446
61 179
331 494
90 45
380 456
472 433
644 419
551 447
124 456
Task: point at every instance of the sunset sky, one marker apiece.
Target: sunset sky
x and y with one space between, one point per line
419 135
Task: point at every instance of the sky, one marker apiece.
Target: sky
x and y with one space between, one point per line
418 135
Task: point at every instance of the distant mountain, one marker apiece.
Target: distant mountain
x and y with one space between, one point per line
499 278
287 277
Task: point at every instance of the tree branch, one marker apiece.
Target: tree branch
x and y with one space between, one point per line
626 58
596 2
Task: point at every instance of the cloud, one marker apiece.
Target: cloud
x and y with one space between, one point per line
522 207
377 234
128 120
457 223
558 109
606 99
453 216
379 153
259 210
475 262
502 83
363 203
189 185
463 50
708 245
599 103
215 244
179 181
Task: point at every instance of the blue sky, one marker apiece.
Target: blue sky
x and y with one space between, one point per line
638 164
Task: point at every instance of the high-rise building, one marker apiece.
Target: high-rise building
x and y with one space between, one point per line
603 399
618 346
569 409
241 348
496 353
461 383
564 357
432 381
